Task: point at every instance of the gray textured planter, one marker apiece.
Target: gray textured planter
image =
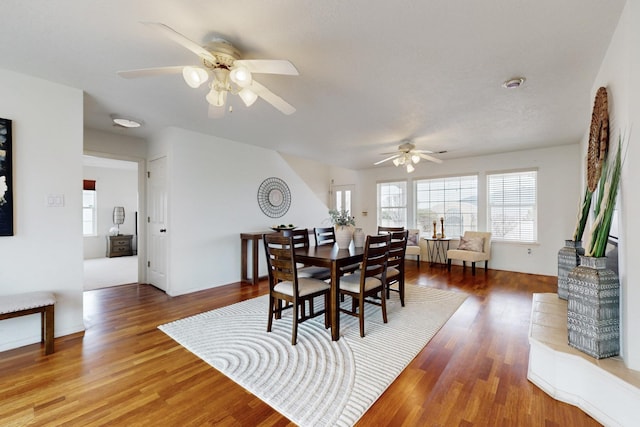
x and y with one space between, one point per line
568 259
593 308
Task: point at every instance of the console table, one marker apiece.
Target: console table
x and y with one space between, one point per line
254 238
437 249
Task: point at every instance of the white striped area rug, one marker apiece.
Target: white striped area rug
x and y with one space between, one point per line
317 382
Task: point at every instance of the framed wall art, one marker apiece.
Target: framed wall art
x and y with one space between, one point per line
6 190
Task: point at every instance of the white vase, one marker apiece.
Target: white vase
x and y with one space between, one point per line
358 238
343 236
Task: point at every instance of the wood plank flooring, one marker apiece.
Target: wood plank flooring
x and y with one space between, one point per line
123 371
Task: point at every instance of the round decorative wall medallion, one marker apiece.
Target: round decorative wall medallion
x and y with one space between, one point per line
598 138
274 197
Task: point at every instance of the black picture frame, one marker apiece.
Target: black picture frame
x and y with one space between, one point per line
6 181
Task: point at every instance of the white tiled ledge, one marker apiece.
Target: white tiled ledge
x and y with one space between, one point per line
605 389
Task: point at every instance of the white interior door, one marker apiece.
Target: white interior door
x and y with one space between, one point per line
157 223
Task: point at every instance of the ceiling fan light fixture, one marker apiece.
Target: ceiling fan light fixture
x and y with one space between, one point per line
410 168
194 76
248 96
241 76
217 98
415 158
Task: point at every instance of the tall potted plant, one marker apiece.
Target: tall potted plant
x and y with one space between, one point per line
344 224
594 290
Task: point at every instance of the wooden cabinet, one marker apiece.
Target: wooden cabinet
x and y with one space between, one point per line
119 245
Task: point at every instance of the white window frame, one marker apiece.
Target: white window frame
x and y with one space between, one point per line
513 218
93 209
388 202
448 198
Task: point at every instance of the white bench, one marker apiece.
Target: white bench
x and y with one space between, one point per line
30 303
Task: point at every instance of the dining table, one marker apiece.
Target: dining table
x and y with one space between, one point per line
334 258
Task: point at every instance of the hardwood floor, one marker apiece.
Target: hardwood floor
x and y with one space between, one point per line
124 371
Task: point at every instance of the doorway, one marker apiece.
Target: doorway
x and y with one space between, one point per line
117 182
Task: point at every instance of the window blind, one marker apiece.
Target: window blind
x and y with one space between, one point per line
512 204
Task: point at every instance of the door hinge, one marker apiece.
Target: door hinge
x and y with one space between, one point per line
148 174
149 219
148 263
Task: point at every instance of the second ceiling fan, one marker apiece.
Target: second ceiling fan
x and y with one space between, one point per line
220 62
407 156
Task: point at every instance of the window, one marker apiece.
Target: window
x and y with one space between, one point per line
455 199
89 223
513 206
392 204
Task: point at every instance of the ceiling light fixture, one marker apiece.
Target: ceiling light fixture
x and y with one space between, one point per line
194 76
126 122
513 83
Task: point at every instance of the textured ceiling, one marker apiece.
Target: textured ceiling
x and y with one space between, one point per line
371 72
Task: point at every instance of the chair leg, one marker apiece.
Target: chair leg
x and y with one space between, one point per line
327 311
361 314
418 261
383 305
270 321
486 265
473 268
401 289
294 334
449 264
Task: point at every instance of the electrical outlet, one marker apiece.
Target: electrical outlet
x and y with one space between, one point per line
528 251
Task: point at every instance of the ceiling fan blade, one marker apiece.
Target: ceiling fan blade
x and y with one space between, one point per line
423 151
268 66
387 159
149 72
272 98
430 158
172 34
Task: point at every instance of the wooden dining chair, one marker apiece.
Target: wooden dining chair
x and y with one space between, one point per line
395 264
388 230
285 285
301 240
367 285
324 235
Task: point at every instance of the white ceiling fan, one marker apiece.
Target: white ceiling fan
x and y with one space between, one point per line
407 156
220 62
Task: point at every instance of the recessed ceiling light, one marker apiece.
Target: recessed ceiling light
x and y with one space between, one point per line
126 122
513 83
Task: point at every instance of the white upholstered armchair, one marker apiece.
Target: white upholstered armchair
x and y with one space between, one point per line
413 244
474 246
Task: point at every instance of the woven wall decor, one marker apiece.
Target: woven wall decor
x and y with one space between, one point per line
274 197
598 138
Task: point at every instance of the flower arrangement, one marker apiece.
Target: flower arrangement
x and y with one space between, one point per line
605 205
341 217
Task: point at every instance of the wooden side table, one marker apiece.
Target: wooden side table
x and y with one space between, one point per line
119 245
254 238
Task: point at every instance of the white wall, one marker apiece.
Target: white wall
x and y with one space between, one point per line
45 254
114 187
619 73
558 198
213 198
